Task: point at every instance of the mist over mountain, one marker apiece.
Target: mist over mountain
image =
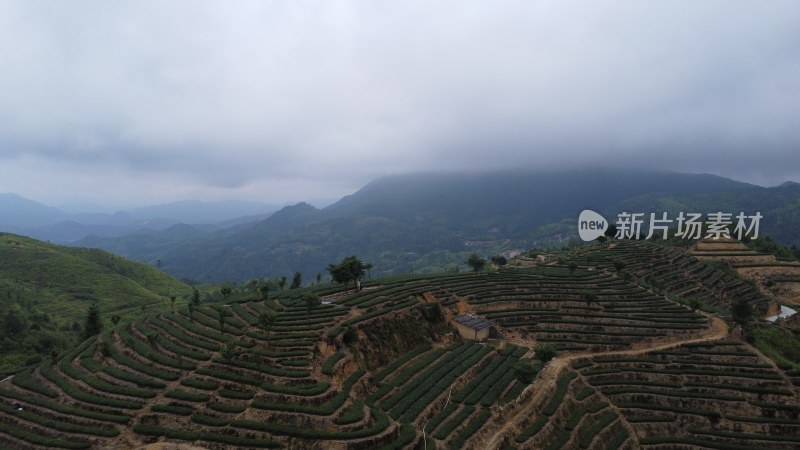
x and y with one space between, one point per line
28 217
192 212
19 212
429 222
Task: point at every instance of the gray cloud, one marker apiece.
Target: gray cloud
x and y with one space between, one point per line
142 101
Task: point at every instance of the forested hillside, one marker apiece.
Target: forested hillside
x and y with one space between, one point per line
46 291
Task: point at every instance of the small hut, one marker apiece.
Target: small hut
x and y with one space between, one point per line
474 327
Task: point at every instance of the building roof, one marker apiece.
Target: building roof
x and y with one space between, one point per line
474 322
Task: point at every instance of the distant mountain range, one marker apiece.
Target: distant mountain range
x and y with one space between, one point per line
430 222
24 216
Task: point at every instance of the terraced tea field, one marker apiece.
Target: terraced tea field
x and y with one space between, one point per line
373 369
716 394
674 272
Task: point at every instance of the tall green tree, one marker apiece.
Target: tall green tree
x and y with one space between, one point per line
264 291
14 324
93 325
265 321
476 262
222 314
499 260
297 280
351 269
311 301
196 297
544 352
589 296
742 312
152 339
226 292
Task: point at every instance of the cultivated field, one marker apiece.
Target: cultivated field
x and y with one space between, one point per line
376 369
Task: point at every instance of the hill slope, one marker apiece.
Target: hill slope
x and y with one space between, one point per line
429 222
372 369
46 290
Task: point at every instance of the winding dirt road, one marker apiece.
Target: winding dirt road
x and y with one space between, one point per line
547 378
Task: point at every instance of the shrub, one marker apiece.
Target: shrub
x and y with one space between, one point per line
304 390
26 381
585 392
38 439
68 427
354 413
544 352
65 409
134 364
526 370
228 375
378 377
102 385
226 408
381 423
179 410
185 435
124 375
327 366
325 409
78 394
473 426
237 395
179 394
211 421
199 383
558 395
453 423
532 429
441 415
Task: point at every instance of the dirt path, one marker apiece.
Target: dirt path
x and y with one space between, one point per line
549 375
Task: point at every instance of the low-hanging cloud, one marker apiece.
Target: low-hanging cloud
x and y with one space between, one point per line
288 100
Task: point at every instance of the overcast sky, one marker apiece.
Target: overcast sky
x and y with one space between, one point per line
137 102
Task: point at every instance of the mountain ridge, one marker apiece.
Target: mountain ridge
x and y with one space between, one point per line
28 217
430 222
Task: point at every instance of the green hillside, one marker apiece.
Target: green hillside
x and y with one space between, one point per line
430 222
46 291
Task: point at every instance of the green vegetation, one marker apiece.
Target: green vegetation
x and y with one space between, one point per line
327 366
420 223
476 263
526 369
558 396
779 344
252 373
47 290
765 244
350 269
